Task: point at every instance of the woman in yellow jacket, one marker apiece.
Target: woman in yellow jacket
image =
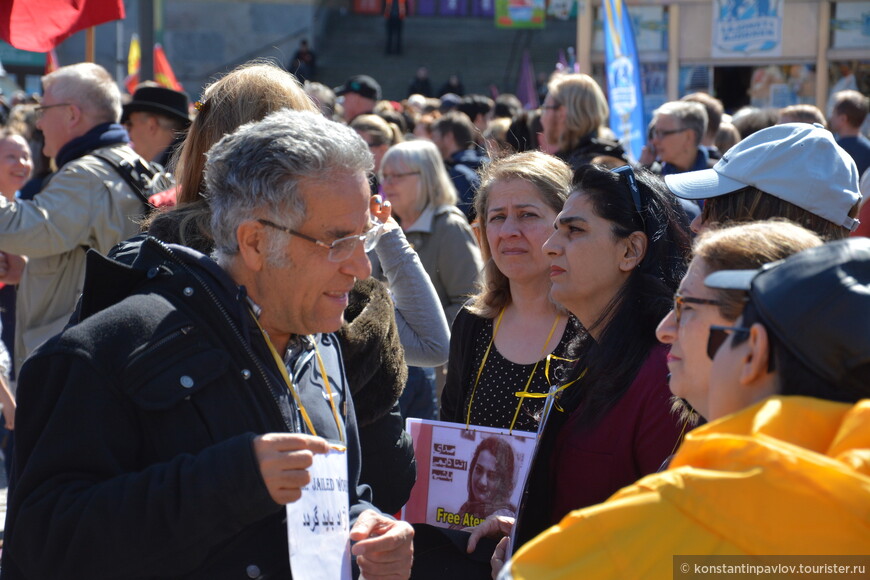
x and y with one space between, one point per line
784 466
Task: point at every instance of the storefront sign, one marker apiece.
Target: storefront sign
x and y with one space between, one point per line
744 28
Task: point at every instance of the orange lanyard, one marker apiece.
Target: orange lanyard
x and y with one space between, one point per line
286 376
522 394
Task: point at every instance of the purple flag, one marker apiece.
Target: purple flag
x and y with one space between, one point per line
426 7
526 92
483 8
453 8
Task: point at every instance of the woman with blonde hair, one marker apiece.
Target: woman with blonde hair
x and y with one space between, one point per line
511 337
573 116
379 134
423 198
247 94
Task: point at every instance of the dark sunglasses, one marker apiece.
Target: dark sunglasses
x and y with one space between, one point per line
718 336
680 301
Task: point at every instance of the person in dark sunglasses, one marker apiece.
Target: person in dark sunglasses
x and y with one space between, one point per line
696 308
782 470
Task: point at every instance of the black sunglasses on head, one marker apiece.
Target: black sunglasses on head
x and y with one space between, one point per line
628 173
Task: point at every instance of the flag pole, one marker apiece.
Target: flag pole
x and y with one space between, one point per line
584 36
146 39
90 45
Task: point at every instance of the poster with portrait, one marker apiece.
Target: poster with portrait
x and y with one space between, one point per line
465 475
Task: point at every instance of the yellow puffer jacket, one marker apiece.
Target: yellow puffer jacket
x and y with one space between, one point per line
788 476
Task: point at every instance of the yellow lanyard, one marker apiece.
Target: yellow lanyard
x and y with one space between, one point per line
286 376
522 394
553 392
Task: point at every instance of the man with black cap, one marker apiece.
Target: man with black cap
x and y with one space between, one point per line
782 467
156 119
360 93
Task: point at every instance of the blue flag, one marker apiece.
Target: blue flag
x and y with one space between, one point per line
623 78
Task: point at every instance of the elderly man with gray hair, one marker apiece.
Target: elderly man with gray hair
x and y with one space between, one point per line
85 204
676 130
193 400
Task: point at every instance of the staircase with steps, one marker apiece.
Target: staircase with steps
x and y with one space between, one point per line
480 53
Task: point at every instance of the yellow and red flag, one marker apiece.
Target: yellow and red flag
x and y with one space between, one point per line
134 55
163 72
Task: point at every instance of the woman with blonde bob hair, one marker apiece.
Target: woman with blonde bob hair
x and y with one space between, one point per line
573 115
510 337
417 164
423 198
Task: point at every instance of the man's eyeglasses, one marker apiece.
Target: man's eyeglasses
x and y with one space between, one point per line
40 110
552 107
680 301
391 176
628 173
661 134
342 248
718 336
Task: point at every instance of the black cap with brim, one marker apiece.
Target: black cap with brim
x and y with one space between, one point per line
159 100
363 85
816 302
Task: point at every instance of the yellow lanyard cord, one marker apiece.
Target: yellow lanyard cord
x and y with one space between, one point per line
528 382
553 392
681 437
286 376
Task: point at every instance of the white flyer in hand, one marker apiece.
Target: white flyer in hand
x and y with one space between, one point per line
317 523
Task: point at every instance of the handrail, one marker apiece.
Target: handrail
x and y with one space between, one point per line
229 65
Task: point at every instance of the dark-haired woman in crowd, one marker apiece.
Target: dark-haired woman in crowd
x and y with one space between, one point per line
616 257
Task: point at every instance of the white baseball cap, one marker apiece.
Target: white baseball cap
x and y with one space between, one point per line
797 162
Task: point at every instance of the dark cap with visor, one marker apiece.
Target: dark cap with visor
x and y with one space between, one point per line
816 303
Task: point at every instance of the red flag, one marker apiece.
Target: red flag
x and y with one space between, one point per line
51 62
41 25
163 72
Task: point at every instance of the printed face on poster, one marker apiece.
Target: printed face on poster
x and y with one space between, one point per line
465 475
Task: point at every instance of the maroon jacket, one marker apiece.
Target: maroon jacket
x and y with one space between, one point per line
630 441
575 468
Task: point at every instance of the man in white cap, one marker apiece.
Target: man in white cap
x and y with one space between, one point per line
794 171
